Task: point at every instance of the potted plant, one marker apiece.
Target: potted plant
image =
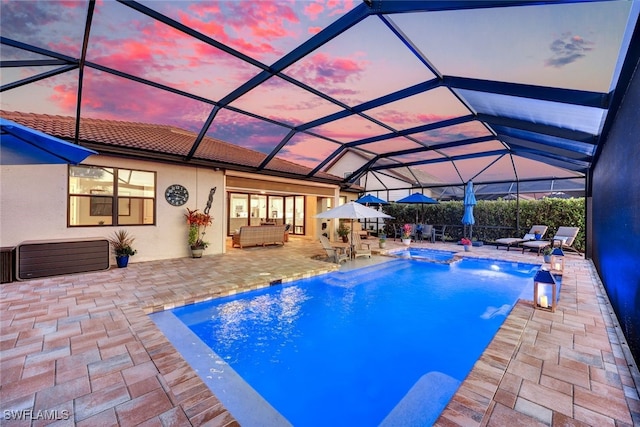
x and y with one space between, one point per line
198 223
343 231
382 241
537 234
466 243
406 234
121 242
546 254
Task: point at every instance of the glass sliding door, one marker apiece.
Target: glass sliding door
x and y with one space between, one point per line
298 220
289 205
258 209
276 209
238 211
262 209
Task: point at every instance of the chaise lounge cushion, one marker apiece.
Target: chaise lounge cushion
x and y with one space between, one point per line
564 237
514 241
251 235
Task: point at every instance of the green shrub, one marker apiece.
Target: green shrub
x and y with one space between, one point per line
496 218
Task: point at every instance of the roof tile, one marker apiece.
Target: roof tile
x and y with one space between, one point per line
154 138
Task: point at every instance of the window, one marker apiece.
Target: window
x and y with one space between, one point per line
111 196
261 209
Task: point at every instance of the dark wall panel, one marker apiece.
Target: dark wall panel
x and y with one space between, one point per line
616 215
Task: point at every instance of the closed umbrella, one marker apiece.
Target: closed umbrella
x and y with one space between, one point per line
352 211
418 198
20 145
469 203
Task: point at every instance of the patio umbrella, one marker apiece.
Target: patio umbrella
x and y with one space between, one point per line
371 200
352 211
418 198
469 203
21 145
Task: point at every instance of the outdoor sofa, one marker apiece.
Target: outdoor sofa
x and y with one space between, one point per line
259 235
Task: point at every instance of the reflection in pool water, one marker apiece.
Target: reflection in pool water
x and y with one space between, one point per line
361 347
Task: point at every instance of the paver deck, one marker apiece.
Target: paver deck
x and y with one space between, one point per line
81 349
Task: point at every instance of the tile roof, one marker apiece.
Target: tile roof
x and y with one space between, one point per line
145 140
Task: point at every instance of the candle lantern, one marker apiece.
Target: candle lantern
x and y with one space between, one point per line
557 261
544 291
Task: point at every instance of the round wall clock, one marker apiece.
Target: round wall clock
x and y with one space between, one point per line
176 195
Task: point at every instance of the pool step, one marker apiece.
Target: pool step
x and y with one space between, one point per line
424 402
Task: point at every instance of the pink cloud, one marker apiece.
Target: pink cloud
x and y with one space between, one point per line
307 150
113 98
211 28
202 9
339 7
64 96
325 70
313 10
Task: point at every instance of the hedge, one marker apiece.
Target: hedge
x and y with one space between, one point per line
495 218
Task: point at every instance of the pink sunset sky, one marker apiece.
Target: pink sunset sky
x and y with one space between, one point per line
573 46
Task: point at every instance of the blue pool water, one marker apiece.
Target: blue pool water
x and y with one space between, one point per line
383 344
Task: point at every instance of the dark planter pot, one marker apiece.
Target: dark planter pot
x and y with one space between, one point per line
122 261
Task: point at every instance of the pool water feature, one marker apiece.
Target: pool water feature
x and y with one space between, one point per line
362 347
424 254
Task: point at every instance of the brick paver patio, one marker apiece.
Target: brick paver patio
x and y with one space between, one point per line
82 350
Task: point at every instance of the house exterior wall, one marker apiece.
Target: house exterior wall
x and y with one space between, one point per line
616 215
349 162
34 207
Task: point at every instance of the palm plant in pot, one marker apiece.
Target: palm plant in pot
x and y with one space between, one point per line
122 245
343 231
198 223
546 254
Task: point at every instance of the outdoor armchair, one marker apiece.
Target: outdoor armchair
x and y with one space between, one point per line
439 232
360 248
337 255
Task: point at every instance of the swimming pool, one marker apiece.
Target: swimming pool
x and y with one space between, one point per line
363 347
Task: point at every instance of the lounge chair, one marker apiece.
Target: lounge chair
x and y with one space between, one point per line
335 254
515 241
564 238
360 248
